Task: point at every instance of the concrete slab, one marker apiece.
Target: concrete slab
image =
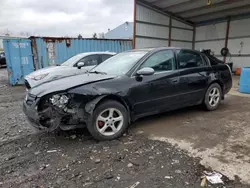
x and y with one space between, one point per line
220 138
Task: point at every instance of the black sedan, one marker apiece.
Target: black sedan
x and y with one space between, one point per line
2 59
126 87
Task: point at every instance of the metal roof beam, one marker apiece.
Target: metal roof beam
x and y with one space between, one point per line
186 6
221 14
153 7
168 3
214 7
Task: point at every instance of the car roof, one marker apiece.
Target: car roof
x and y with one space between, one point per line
160 48
93 53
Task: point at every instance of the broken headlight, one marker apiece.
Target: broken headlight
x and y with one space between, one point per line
59 100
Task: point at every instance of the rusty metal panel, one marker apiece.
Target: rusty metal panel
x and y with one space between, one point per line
54 51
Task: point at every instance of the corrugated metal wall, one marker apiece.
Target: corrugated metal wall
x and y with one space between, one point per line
54 51
155 29
239 42
213 37
26 55
18 58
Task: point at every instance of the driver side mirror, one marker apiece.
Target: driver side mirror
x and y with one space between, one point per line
146 71
80 64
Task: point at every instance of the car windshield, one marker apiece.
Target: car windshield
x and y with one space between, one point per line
71 61
119 64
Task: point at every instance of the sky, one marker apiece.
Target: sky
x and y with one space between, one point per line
63 17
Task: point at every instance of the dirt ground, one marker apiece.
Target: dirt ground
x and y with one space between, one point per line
151 154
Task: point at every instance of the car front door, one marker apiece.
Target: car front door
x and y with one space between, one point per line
157 92
194 76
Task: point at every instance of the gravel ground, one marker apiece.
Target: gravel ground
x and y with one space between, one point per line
73 159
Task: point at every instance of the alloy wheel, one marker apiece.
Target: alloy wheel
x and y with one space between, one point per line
109 121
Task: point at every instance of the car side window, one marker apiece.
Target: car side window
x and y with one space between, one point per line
105 57
161 61
90 60
205 59
189 59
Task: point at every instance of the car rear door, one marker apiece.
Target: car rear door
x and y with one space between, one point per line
157 92
194 76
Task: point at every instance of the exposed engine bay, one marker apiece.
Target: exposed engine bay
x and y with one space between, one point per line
60 110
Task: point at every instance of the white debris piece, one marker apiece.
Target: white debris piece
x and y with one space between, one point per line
214 177
51 151
135 185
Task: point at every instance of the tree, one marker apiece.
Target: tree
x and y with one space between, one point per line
79 36
94 35
101 35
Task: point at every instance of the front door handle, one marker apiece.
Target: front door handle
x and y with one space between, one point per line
175 80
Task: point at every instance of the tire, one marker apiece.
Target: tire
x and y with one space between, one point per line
213 97
101 119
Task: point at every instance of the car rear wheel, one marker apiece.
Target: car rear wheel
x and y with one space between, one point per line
109 121
213 97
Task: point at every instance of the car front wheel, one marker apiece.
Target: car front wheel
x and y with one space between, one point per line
109 121
213 97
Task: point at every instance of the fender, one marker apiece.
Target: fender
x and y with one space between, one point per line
90 106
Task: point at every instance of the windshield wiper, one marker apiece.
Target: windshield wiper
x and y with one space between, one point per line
97 72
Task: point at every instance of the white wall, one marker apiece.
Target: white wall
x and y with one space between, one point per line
152 29
213 36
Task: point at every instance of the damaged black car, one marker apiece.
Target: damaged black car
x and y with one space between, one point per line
128 86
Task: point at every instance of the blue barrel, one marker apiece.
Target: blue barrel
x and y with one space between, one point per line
245 80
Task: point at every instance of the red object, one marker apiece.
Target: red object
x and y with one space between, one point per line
100 124
238 71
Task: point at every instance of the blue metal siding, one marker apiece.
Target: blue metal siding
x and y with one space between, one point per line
22 55
63 50
19 59
124 31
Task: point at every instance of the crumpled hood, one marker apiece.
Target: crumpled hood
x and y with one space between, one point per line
47 70
66 83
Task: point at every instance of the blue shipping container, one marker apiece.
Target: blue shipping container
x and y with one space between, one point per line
23 56
54 51
18 58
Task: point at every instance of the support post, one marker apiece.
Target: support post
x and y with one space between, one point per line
194 34
134 28
227 35
170 31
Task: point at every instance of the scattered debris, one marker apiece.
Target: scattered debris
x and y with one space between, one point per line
178 171
118 178
151 157
51 151
168 177
130 165
73 136
44 166
203 181
86 184
37 152
135 185
29 145
128 143
214 177
97 161
10 158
